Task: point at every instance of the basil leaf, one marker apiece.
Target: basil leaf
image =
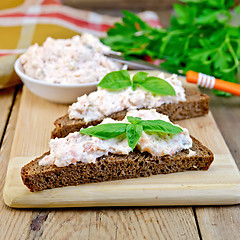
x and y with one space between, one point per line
158 86
105 131
134 120
133 134
160 126
116 80
138 78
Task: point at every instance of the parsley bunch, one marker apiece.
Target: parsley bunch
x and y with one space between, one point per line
204 36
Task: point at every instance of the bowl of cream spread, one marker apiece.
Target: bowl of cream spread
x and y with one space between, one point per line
63 69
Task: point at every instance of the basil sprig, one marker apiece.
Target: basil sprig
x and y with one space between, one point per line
116 80
121 79
132 130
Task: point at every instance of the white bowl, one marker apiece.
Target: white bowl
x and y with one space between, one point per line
59 93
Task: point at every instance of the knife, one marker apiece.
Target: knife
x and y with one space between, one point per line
134 64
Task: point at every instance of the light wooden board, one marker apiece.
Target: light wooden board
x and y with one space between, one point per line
89 223
219 185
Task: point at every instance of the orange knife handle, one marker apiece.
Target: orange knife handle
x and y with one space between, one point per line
230 87
206 81
192 77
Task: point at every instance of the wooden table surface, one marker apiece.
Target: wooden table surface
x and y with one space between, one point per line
121 223
221 222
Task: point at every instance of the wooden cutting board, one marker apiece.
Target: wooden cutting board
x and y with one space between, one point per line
219 185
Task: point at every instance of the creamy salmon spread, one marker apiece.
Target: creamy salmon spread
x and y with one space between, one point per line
68 61
77 147
102 102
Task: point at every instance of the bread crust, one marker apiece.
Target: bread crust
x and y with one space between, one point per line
196 104
114 167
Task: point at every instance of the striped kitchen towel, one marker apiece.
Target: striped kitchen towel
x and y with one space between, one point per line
23 23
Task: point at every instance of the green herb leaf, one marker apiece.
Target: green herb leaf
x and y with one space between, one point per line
203 36
105 131
133 130
134 120
158 86
121 79
133 134
116 80
237 9
208 17
185 13
133 17
138 78
160 126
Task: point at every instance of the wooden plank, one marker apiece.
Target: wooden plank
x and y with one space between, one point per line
65 224
34 123
6 98
11 221
219 185
226 112
219 222
164 15
154 223
35 223
223 222
117 223
120 4
97 5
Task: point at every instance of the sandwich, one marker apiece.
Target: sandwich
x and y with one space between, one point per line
144 143
117 93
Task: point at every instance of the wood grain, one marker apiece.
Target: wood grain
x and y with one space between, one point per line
214 222
6 99
71 224
117 223
150 223
219 185
137 5
223 222
219 222
226 112
32 122
120 4
96 5
13 223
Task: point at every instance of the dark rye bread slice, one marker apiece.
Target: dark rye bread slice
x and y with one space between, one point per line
114 167
196 105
